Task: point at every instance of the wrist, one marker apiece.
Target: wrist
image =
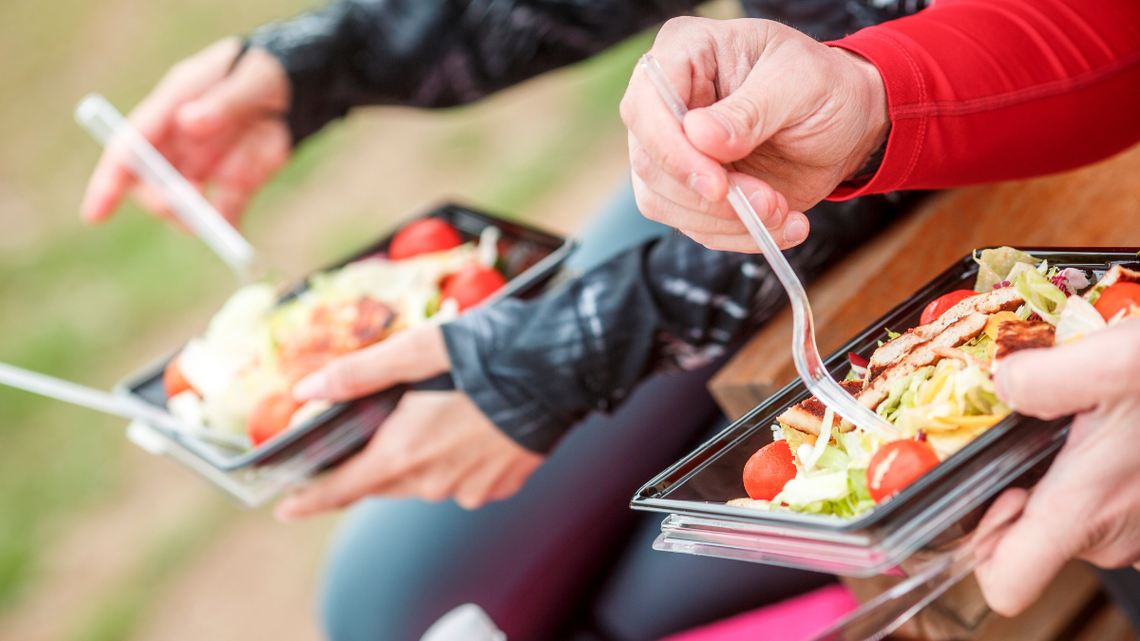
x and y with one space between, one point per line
871 116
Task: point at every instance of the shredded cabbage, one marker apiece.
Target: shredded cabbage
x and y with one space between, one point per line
1041 296
822 440
1077 319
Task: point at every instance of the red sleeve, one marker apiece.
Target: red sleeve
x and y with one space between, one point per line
988 90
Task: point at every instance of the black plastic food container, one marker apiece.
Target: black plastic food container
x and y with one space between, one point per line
528 259
930 514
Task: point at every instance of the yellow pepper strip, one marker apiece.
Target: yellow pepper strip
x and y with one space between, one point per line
972 422
995 319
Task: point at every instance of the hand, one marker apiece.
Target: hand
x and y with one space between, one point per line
224 130
1088 504
793 117
435 445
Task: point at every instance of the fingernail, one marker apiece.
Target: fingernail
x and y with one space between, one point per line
720 124
795 232
1001 385
762 203
310 387
194 114
284 511
703 185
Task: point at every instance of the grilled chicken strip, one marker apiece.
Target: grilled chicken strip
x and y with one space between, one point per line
921 355
999 300
1014 336
808 415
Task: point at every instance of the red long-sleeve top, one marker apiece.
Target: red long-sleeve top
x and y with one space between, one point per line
989 90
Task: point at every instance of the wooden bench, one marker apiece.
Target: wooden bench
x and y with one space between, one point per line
1098 206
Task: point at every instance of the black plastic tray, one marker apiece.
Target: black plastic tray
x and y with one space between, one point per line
699 484
528 257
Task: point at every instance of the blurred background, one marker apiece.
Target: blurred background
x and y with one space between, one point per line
98 540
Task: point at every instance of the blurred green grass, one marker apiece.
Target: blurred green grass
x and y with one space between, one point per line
92 304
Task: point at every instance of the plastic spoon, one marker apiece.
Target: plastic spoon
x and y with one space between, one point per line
101 401
108 126
804 351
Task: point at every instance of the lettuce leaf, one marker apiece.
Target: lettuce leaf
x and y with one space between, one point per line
994 266
1041 296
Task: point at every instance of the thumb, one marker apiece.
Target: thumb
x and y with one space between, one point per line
411 355
1055 382
258 86
733 127
1028 555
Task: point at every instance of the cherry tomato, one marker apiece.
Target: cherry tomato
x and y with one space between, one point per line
173 380
270 416
939 305
768 470
471 285
424 236
896 465
1120 296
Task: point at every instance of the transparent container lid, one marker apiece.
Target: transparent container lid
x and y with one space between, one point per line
932 514
528 258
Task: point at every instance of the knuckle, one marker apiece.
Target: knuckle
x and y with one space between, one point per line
743 114
627 110
343 379
640 163
469 501
434 490
678 26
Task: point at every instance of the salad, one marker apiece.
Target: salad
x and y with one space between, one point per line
933 383
236 377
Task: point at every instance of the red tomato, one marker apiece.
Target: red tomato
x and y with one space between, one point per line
173 380
939 305
768 470
1117 297
423 237
471 285
270 416
896 465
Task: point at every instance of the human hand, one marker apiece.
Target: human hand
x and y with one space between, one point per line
224 130
1088 504
435 445
792 117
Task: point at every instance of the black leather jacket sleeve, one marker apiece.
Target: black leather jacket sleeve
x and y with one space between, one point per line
537 367
439 53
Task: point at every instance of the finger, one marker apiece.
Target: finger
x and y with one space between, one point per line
1027 557
669 213
1049 383
348 483
764 103
410 355
112 178
652 176
769 205
793 232
515 478
230 200
256 88
260 153
477 488
661 136
369 472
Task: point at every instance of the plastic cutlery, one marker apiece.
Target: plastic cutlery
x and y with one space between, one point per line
805 353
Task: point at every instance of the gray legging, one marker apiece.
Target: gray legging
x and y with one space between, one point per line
566 556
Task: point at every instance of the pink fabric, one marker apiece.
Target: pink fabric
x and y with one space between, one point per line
792 620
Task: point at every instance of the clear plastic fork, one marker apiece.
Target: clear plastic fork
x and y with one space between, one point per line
116 134
805 353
